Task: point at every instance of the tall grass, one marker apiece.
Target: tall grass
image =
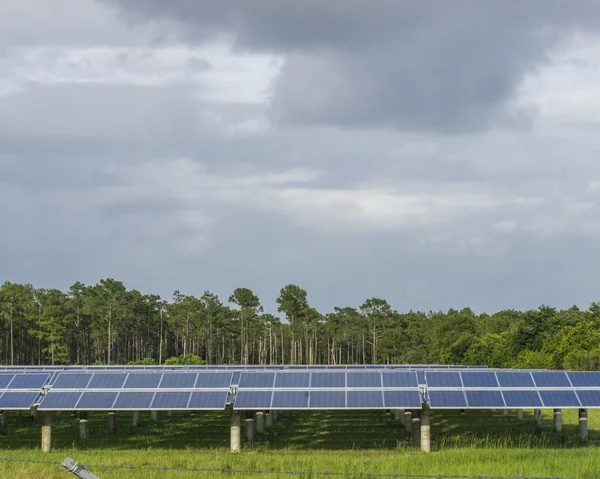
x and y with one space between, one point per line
471 444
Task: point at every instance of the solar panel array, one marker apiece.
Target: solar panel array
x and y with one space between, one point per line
293 387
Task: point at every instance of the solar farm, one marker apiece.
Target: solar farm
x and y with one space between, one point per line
256 396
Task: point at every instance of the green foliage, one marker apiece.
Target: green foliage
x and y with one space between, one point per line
143 362
189 359
108 324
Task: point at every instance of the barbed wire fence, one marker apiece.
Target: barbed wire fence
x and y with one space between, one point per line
98 468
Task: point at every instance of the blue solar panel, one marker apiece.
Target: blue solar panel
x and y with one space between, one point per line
473 379
97 400
485 399
364 399
559 399
327 380
72 381
443 379
290 400
236 377
399 379
365 379
253 400
292 380
515 379
551 379
29 381
207 380
522 399
208 400
447 399
18 399
60 400
107 381
585 379
589 398
5 380
142 381
421 377
402 399
178 381
171 400
257 380
327 399
133 400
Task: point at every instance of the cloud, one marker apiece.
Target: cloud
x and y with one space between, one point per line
384 63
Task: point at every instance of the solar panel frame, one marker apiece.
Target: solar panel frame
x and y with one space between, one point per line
333 399
208 400
133 400
170 400
584 379
364 399
96 400
443 379
253 400
402 399
551 379
484 399
18 400
296 399
256 380
60 400
560 399
447 399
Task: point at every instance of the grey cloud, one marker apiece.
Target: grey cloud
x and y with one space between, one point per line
421 65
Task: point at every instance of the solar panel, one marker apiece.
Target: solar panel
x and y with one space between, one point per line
364 399
327 399
447 399
323 380
421 377
214 380
585 379
60 400
97 400
402 399
399 379
71 381
5 380
515 379
559 399
443 379
178 381
589 398
29 381
208 400
142 381
171 400
257 380
106 381
253 400
522 399
485 399
292 380
551 379
18 399
473 379
363 379
290 400
133 400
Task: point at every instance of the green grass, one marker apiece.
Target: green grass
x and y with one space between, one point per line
481 443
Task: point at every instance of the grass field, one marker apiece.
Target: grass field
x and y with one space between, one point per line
481 443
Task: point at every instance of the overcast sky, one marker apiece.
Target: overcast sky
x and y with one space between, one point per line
438 154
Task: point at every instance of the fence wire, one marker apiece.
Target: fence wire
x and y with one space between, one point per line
222 470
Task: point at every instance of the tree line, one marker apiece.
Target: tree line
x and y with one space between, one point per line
108 324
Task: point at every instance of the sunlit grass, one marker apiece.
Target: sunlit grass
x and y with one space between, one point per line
475 444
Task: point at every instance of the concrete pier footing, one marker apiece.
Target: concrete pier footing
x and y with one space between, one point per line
249 430
558 420
260 422
583 424
84 430
154 415
112 422
408 421
234 441
425 430
135 421
47 433
269 420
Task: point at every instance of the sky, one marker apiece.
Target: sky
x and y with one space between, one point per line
439 156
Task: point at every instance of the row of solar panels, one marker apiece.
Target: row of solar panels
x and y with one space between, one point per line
301 380
309 399
239 367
